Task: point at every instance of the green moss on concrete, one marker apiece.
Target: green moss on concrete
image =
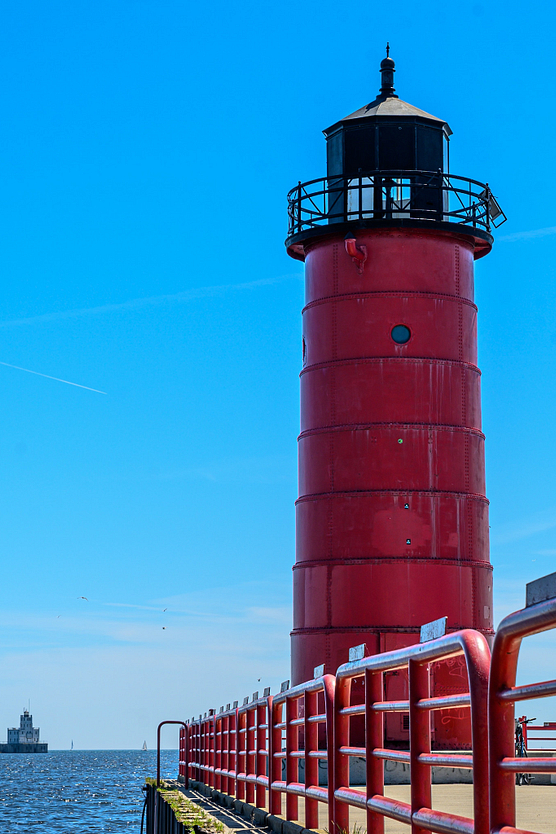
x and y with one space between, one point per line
186 811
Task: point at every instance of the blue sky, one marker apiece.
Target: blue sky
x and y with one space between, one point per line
146 150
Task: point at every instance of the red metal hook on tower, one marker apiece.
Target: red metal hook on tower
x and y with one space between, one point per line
358 254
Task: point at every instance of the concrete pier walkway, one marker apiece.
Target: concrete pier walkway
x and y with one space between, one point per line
536 809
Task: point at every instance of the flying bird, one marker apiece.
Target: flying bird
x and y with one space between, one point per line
163 628
83 598
164 610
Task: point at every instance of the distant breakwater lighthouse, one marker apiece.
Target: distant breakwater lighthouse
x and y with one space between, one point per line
392 516
25 738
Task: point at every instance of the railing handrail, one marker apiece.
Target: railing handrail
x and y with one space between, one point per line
449 645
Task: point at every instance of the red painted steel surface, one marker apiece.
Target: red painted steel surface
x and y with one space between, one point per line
302 730
253 751
503 694
392 518
201 750
182 767
225 733
313 722
473 649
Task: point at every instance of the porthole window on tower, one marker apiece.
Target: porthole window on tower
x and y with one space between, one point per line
401 334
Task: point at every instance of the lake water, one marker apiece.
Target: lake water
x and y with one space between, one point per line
82 792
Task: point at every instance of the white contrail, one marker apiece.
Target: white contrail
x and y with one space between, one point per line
55 378
548 230
138 303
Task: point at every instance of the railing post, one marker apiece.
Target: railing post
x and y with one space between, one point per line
340 810
292 770
311 764
477 657
275 763
261 747
227 757
419 739
374 738
250 756
236 768
202 747
503 670
212 748
241 739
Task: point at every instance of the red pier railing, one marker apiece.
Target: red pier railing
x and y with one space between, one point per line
297 714
417 661
271 747
530 733
253 749
503 694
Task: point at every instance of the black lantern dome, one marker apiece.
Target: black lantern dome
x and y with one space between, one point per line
387 134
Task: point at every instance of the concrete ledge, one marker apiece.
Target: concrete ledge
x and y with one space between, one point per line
237 806
227 801
274 823
201 788
257 816
260 817
247 811
289 827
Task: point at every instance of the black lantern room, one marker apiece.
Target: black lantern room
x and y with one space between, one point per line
388 135
388 166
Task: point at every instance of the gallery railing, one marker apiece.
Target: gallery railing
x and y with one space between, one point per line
393 195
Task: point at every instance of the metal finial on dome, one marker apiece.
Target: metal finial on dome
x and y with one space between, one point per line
387 70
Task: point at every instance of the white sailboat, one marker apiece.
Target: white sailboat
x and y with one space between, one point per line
71 748
144 747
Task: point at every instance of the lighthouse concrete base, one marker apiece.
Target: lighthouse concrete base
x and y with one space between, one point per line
395 773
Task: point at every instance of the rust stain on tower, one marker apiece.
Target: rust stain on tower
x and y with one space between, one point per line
392 517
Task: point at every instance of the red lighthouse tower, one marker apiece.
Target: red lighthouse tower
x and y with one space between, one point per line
392 518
